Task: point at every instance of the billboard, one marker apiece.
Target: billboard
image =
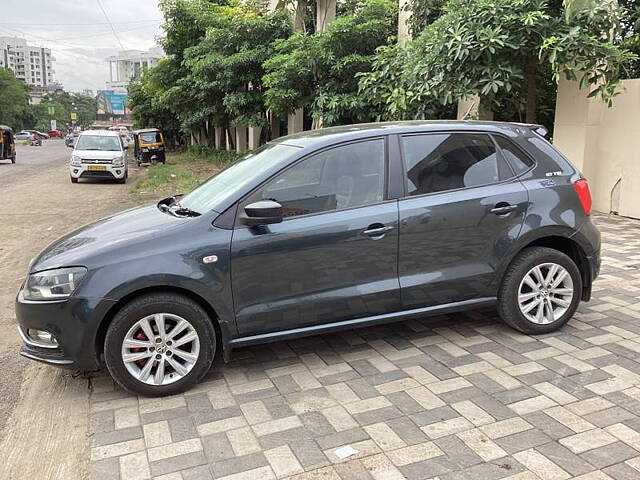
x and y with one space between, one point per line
112 103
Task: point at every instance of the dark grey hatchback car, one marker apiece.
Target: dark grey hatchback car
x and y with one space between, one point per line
317 232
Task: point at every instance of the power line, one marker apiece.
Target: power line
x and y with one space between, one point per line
80 24
110 24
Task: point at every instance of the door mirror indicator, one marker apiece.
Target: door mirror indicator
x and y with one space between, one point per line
264 212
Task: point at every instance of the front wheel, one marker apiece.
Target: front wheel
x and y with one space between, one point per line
159 344
73 179
13 159
540 291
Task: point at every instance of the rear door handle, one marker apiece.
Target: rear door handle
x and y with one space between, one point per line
377 230
503 208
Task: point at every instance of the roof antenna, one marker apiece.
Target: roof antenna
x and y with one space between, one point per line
473 104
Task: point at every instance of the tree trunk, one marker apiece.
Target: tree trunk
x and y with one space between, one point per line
531 71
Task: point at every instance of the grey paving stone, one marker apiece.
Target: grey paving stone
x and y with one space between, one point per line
175 464
523 441
407 430
548 425
202 472
339 439
182 428
198 403
457 452
108 469
163 415
217 447
404 403
238 464
100 422
621 471
376 416
308 454
285 384
115 436
317 424
610 416
609 455
565 458
434 415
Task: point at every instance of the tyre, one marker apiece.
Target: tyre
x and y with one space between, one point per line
159 344
74 180
121 180
13 159
540 291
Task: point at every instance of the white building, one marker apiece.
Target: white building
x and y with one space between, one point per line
126 65
32 65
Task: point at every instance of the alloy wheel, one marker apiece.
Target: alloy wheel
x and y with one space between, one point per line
160 349
545 293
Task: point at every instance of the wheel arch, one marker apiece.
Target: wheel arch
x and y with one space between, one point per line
222 333
564 244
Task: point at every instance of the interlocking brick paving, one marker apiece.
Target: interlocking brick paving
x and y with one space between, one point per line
458 396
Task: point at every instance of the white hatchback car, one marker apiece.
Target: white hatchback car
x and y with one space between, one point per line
99 154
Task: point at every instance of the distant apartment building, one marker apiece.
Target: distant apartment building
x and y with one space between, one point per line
32 65
127 64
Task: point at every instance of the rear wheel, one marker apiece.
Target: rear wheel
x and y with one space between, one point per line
159 344
540 291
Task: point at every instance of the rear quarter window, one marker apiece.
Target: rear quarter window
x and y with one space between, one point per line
553 160
519 161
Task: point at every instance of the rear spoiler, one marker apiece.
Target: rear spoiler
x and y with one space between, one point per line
536 128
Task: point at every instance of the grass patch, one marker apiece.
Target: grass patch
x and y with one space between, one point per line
183 171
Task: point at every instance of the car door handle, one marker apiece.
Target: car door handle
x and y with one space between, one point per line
377 230
503 208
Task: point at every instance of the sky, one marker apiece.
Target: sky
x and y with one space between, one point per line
79 35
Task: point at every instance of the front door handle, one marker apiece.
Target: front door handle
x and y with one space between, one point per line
377 230
503 208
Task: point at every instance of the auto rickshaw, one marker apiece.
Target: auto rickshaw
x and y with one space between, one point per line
148 146
7 144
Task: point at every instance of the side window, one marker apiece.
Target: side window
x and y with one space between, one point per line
347 176
518 160
448 161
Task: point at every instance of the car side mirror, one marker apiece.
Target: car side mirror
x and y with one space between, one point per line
264 212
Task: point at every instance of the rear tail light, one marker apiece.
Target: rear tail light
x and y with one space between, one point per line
582 189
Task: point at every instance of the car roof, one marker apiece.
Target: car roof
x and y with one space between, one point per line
331 135
101 133
4 127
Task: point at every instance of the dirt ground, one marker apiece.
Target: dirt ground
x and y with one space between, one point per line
38 204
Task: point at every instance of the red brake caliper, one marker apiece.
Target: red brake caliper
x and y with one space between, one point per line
140 336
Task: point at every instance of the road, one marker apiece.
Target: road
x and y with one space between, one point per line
31 158
38 404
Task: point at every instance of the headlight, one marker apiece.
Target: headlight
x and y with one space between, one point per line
118 161
53 284
76 160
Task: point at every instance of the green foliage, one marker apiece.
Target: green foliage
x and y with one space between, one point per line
319 71
631 35
14 100
63 104
484 48
423 13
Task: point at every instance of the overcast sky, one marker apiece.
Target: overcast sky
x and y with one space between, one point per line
78 34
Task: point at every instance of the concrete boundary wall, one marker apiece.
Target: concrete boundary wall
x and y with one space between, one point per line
603 143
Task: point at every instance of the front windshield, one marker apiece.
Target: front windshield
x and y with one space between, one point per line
98 142
220 187
150 137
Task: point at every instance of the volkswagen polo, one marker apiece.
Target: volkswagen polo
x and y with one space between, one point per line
313 233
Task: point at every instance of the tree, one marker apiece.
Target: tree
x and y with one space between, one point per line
14 100
319 71
631 35
491 47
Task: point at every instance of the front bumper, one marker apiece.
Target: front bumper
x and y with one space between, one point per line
114 172
73 322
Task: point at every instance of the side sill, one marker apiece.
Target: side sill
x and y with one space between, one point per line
360 322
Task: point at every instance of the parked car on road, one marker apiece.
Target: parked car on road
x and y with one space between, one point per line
313 233
99 154
54 133
23 135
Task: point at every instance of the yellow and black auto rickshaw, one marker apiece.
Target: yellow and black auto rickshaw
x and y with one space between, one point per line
7 144
148 146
